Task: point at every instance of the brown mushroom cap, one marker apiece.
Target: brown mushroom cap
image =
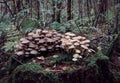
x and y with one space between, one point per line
36 36
41 41
43 49
25 41
77 51
33 52
85 41
19 53
31 45
74 59
70 34
30 34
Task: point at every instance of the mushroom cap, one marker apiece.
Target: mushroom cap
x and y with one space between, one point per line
70 34
76 55
80 56
27 53
29 38
76 44
85 47
43 49
50 47
36 36
77 51
75 40
29 49
71 47
74 59
31 45
22 39
41 58
41 41
30 34
19 53
45 31
25 41
55 56
85 41
33 52
49 35
50 40
19 46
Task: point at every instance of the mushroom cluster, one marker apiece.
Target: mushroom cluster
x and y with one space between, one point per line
39 42
75 44
42 41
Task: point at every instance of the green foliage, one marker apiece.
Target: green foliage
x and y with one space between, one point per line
12 38
98 55
28 67
28 70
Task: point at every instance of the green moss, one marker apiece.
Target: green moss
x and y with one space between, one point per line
32 72
28 67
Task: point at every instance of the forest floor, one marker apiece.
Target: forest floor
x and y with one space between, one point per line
49 63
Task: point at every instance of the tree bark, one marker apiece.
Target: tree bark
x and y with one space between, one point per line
69 10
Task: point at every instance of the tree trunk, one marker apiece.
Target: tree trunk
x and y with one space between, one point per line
58 12
54 14
69 9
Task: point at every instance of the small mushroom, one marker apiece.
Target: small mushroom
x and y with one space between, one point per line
41 41
19 53
45 31
36 36
70 34
30 34
19 46
77 51
83 46
43 49
74 59
25 41
31 45
76 56
33 52
41 58
22 39
84 42
76 44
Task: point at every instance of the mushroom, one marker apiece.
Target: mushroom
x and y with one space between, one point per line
19 53
43 49
30 34
19 46
36 36
31 45
41 58
41 41
83 46
74 59
84 42
76 44
25 41
70 34
22 39
77 51
45 31
33 52
76 56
